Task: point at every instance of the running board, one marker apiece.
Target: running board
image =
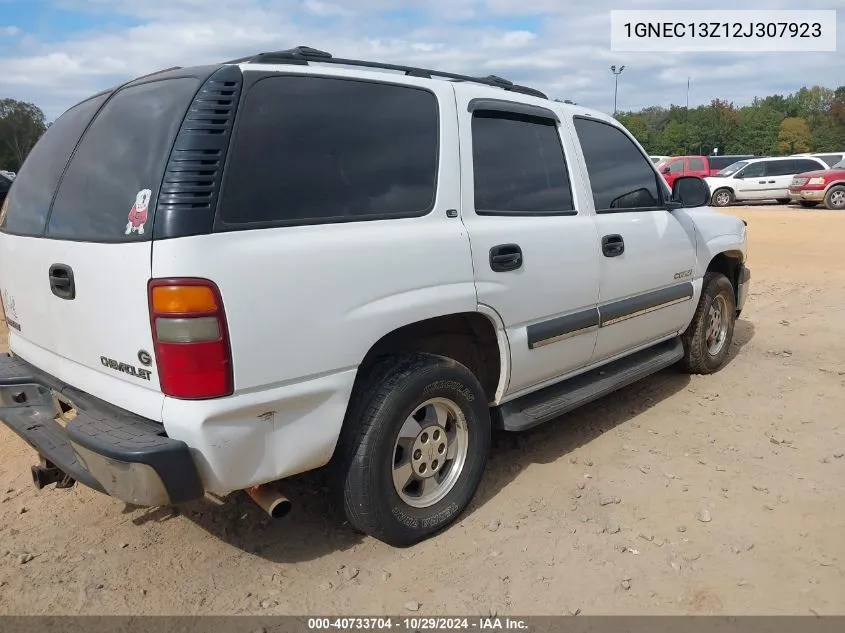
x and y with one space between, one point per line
553 401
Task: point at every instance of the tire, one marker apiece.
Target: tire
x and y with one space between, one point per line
370 449
808 204
700 357
834 199
722 197
783 200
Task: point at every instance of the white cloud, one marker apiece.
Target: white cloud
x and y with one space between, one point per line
9 31
553 45
325 8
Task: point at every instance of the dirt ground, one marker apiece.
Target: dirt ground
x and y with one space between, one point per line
722 494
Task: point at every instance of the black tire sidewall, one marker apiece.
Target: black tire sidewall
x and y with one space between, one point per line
718 286
402 524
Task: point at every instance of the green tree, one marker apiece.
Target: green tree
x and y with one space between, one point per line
21 125
638 127
794 136
758 130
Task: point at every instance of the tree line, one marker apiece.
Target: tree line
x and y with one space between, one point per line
21 125
809 120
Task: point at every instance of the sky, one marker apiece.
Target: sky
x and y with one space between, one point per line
55 53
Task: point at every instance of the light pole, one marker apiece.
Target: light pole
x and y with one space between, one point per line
616 74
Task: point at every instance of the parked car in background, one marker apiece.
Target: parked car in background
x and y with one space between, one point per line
823 185
659 159
829 158
700 166
759 179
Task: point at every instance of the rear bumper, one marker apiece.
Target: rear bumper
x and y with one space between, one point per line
743 287
105 448
811 195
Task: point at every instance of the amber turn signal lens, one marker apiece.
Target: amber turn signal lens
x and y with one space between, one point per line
183 300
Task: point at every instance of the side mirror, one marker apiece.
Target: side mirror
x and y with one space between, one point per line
665 170
690 191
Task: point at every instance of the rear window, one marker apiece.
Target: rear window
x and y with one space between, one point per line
36 182
119 164
310 150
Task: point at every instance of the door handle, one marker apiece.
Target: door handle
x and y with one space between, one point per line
771 182
505 257
761 182
61 281
612 245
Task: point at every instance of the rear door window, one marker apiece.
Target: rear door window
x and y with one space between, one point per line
782 167
120 162
696 164
310 150
36 182
518 166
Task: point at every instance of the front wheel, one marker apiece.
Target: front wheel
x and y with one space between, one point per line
707 340
722 197
416 443
834 199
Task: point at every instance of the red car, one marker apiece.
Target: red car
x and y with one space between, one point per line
825 186
701 166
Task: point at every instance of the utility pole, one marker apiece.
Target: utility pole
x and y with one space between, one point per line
687 93
616 74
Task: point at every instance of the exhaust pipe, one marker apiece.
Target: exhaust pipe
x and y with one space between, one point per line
271 501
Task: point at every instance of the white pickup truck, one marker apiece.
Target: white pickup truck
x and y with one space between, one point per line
217 277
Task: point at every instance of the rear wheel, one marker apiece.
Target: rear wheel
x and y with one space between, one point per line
707 340
414 448
808 204
722 197
783 200
834 199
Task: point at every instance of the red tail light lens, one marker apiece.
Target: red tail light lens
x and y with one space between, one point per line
191 338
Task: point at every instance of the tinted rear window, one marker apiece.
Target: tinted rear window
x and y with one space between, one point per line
518 165
39 176
122 154
311 149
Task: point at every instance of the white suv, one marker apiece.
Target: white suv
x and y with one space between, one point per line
759 179
226 275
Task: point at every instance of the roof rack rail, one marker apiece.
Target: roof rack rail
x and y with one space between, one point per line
302 55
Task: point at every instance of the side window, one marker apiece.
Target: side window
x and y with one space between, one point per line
831 159
676 166
310 150
696 164
620 176
781 167
518 165
754 170
807 165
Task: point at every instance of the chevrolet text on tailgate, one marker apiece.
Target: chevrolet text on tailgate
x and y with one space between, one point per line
226 275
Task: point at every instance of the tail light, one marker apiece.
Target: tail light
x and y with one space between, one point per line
191 338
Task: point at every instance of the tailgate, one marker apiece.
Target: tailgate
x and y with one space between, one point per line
76 242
